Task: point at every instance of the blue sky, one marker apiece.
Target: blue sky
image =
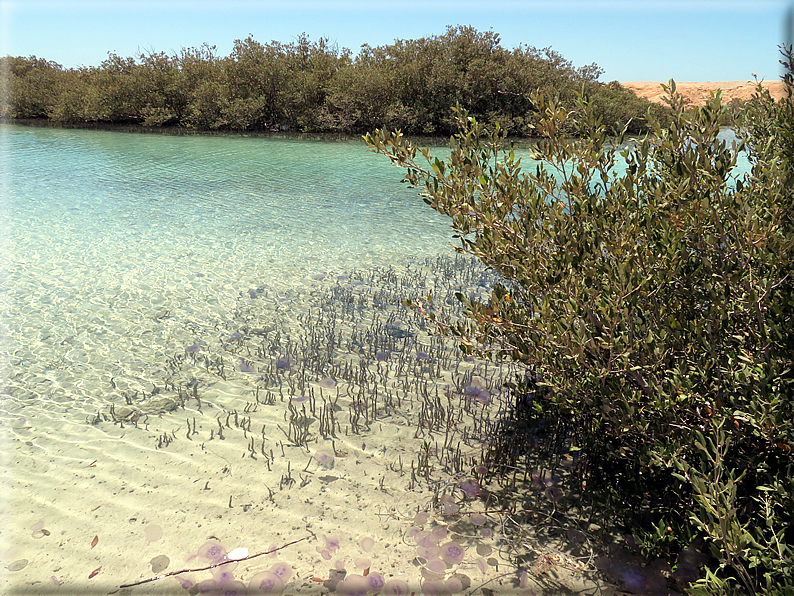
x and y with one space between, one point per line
631 40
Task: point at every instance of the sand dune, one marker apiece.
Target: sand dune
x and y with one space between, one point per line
697 93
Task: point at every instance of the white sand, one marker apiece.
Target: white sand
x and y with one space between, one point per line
67 481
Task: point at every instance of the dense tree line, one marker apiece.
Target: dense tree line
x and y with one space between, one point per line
316 87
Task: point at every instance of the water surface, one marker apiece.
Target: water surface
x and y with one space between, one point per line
203 340
119 244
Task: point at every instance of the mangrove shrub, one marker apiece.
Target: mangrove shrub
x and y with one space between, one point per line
647 289
314 86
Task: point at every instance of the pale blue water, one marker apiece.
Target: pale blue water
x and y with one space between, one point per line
104 232
105 229
170 305
327 202
244 268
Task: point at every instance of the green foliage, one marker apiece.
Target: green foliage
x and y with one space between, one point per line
32 85
413 84
315 86
648 291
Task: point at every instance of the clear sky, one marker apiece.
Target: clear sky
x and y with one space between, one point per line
631 40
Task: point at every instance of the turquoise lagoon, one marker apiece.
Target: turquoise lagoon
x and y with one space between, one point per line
106 230
184 318
202 341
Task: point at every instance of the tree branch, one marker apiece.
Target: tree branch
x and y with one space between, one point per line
224 562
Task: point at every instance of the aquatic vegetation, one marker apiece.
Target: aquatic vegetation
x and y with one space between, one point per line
337 371
284 362
245 367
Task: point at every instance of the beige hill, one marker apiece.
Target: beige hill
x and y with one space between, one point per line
695 94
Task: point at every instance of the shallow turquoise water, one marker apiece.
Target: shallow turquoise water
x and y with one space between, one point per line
136 268
175 310
107 231
123 248
328 202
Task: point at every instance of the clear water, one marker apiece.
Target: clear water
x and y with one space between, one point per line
105 230
137 269
169 306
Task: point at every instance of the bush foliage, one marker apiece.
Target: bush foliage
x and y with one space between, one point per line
315 86
648 291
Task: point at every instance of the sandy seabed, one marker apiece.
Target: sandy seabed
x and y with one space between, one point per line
353 439
168 399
